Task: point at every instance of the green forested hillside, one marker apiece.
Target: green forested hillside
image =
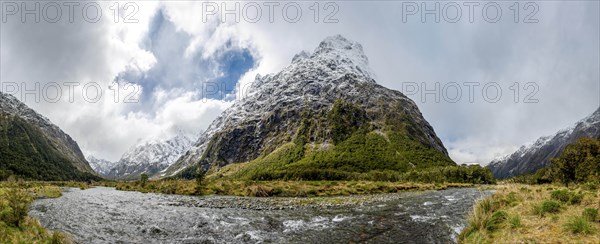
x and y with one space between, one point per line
344 144
26 153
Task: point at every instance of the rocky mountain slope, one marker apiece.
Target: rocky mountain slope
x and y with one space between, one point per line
101 166
33 148
323 110
150 157
530 158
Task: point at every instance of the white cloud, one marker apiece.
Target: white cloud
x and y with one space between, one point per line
560 54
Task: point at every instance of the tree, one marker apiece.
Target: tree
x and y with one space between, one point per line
144 179
199 180
579 162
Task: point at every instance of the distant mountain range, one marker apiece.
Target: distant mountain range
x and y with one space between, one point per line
150 156
530 158
31 147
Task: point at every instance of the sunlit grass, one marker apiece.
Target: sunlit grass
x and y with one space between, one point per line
535 214
15 225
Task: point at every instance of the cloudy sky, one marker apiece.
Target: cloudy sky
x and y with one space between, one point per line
171 66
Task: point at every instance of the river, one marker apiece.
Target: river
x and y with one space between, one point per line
105 215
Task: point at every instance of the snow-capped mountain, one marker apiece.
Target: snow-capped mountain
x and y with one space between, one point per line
271 112
101 166
33 147
150 157
529 158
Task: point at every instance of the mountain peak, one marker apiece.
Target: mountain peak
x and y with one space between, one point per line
338 43
298 105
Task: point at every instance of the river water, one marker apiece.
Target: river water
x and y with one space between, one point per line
105 215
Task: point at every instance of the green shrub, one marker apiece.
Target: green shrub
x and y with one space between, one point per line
567 196
576 198
591 214
515 222
14 209
579 225
547 206
560 195
590 186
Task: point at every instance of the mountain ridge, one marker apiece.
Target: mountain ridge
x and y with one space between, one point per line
529 158
150 156
34 147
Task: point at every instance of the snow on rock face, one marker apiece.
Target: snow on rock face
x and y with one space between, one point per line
150 157
101 166
272 106
529 158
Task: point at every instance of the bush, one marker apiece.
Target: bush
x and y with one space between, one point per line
590 186
579 225
560 195
567 196
259 191
590 214
548 206
515 222
14 209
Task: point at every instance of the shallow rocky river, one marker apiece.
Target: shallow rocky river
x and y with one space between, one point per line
105 215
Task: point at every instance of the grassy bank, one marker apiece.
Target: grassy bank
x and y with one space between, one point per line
15 225
519 213
277 188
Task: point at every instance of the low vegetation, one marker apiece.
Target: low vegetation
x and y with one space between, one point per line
559 204
276 188
15 225
519 213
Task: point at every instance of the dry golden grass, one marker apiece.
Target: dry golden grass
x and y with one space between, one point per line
535 229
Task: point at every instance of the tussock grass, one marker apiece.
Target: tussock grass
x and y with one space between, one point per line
521 205
590 214
547 206
579 225
515 222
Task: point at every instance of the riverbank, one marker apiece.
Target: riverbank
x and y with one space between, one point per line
277 188
15 225
519 213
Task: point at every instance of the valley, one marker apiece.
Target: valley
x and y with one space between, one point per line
316 152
